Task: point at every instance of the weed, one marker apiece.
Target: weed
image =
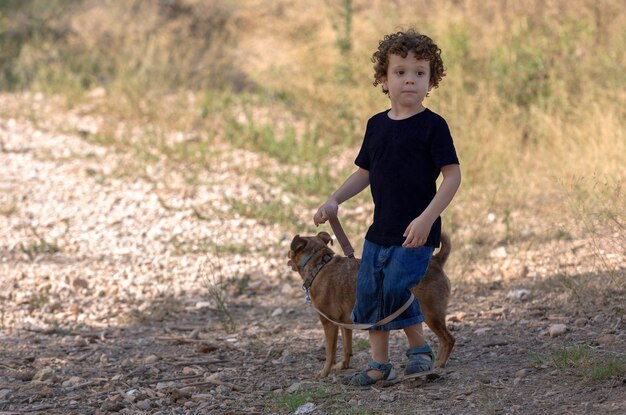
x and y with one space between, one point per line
212 275
605 370
205 245
41 298
582 361
293 401
269 212
361 344
40 247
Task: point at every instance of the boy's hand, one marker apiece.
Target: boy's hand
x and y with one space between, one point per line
325 211
417 232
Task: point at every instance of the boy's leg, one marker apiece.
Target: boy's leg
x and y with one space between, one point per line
379 342
415 336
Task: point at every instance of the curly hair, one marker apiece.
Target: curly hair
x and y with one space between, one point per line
401 43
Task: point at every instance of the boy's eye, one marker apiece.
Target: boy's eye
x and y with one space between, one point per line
400 72
421 73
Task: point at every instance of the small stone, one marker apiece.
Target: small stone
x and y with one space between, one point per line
194 335
4 393
580 322
294 387
499 252
277 312
151 359
457 317
223 390
307 408
144 405
520 374
387 397
79 283
219 376
518 295
189 371
557 330
44 375
481 331
606 339
598 319
205 347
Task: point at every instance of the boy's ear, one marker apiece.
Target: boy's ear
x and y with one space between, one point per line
383 82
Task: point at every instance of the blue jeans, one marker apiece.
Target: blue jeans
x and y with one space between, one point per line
386 275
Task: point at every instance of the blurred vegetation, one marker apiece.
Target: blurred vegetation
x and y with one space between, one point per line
535 93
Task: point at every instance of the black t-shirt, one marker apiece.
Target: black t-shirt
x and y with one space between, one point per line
404 159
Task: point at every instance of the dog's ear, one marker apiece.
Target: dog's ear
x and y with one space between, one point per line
297 243
324 236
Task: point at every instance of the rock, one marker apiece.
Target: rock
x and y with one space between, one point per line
387 397
518 295
580 322
144 405
219 376
151 359
223 390
277 312
499 252
457 317
80 283
294 387
4 393
606 339
189 370
520 374
557 330
307 408
44 375
113 404
598 319
481 331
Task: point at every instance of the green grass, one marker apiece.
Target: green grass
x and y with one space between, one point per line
293 401
582 361
205 246
361 344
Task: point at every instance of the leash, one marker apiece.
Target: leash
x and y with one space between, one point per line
348 251
346 246
366 326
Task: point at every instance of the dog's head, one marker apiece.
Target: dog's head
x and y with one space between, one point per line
302 246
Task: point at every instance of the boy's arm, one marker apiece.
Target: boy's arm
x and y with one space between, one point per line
417 232
353 185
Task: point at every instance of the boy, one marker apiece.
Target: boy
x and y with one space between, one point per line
403 151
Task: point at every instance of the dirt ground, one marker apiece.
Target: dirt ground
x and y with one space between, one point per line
108 302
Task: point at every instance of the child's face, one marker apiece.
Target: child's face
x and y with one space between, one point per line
408 81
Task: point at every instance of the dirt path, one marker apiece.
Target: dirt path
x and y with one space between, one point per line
108 302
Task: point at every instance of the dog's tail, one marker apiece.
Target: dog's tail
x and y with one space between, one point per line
444 250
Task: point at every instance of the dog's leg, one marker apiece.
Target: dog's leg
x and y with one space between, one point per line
330 333
346 341
437 323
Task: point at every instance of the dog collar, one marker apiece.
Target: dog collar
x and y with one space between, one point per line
309 281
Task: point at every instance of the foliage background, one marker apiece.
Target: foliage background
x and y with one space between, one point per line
534 94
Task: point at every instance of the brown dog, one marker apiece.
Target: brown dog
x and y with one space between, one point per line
331 280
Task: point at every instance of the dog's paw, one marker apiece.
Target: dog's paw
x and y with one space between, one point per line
344 364
323 373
